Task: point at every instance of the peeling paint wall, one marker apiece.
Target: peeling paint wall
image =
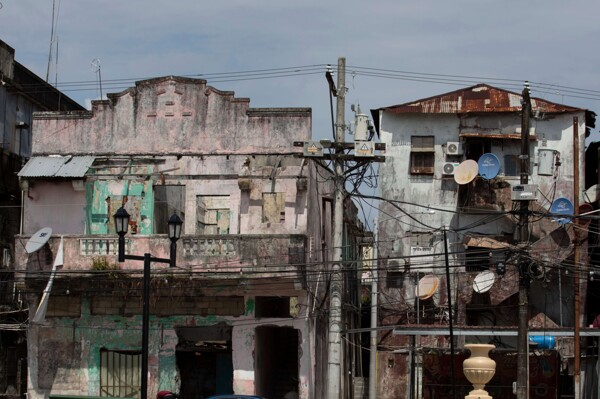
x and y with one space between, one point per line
54 204
182 115
180 132
74 367
433 201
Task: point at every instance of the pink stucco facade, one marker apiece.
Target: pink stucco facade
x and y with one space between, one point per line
221 158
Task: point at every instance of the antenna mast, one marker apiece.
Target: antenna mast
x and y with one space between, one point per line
51 42
96 68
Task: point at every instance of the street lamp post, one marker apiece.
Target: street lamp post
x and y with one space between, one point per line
121 225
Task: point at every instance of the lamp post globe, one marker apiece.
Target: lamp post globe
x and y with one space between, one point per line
121 225
121 221
175 224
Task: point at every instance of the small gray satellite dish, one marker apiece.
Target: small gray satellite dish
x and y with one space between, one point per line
38 240
483 282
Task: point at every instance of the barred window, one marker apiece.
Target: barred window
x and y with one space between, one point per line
120 373
422 155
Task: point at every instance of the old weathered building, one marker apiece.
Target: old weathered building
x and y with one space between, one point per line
474 217
21 94
244 309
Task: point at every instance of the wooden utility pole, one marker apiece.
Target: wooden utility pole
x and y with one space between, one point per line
335 291
523 338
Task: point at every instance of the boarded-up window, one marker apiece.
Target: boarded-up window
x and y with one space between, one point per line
213 214
167 201
120 373
273 208
422 155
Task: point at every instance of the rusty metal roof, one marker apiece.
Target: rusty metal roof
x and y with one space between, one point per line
475 99
57 166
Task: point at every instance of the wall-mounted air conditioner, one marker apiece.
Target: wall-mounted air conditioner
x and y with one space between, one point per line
448 168
453 148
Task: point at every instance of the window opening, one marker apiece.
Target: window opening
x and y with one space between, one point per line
477 259
213 214
168 199
120 373
422 155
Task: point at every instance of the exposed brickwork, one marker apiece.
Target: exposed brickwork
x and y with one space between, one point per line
64 306
168 306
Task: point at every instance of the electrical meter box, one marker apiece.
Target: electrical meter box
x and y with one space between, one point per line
524 192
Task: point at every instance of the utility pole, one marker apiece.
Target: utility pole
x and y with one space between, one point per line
523 338
335 291
339 152
374 307
578 269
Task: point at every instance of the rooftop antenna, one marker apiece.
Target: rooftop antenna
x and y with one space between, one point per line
51 42
96 69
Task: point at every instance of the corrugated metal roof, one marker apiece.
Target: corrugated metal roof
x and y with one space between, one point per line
57 166
479 98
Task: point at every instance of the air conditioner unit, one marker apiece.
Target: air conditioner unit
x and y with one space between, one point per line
448 168
453 148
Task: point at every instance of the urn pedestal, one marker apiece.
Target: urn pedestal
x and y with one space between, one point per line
479 369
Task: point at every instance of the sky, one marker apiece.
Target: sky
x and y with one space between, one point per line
396 51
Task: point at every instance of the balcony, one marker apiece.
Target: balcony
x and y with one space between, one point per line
485 195
198 257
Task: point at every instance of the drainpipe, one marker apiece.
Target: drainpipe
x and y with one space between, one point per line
374 307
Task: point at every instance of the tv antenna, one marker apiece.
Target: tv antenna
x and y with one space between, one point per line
95 64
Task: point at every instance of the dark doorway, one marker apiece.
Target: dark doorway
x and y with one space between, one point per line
276 362
204 361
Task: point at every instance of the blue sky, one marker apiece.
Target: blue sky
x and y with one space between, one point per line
439 45
551 42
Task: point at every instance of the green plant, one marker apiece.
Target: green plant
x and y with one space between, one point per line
102 263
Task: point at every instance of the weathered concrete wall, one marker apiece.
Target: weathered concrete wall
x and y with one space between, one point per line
54 204
74 367
211 176
399 230
179 116
441 192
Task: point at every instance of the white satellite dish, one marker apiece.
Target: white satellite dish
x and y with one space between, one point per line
428 286
591 194
38 240
466 171
483 282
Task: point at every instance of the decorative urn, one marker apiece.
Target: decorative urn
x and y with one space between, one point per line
479 369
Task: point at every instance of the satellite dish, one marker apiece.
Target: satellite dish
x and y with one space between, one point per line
489 166
483 282
38 240
428 285
584 209
466 171
562 206
591 194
